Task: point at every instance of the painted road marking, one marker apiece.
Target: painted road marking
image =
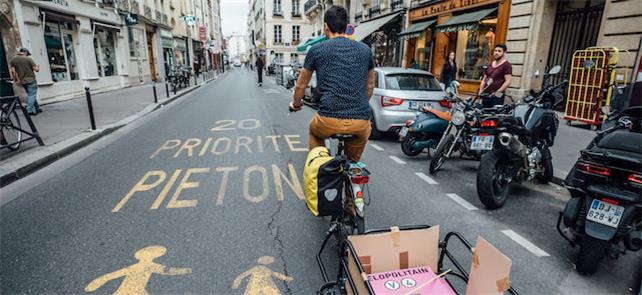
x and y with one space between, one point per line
260 281
376 147
426 178
399 161
459 200
271 91
525 243
136 276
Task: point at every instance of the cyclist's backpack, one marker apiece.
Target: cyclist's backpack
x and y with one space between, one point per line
323 182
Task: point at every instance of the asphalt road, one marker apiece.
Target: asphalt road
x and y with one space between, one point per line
205 189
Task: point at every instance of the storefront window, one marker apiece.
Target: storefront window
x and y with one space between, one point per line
136 42
474 50
60 50
105 52
423 51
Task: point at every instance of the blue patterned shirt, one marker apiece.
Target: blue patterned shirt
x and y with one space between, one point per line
342 67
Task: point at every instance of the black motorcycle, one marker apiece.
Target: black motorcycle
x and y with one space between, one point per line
521 151
603 215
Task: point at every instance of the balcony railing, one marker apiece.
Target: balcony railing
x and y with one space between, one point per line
296 13
397 5
310 5
374 12
358 17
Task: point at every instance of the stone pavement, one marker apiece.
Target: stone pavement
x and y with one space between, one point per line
65 126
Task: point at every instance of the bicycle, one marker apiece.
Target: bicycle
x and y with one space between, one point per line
10 126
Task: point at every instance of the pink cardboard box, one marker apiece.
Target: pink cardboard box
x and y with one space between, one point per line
411 281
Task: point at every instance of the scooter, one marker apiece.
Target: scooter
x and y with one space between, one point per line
425 130
603 215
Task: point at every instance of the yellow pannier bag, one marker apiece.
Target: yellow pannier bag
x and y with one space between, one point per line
323 182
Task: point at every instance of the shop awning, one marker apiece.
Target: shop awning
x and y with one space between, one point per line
368 27
466 21
415 30
303 47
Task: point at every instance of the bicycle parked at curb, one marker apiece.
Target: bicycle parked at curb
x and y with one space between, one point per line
10 134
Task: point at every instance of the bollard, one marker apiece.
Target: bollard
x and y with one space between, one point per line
166 89
195 80
91 109
155 96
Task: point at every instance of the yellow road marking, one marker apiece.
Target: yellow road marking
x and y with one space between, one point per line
261 281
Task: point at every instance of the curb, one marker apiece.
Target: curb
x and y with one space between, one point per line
43 157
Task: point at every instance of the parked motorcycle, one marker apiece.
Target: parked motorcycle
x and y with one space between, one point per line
424 131
291 76
603 215
521 151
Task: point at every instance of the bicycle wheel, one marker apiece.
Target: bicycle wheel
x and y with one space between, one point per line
10 129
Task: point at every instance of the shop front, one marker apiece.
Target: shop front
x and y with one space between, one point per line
181 53
469 28
381 35
199 57
167 43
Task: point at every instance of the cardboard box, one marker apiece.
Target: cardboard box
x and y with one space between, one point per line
403 249
415 281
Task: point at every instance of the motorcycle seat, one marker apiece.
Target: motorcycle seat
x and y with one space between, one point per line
622 140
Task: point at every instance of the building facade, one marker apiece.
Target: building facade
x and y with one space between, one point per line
109 44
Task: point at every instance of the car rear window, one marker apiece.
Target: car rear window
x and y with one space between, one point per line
416 82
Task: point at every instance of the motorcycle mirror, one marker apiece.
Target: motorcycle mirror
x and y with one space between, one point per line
607 110
537 74
555 70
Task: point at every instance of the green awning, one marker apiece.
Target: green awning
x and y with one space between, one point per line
466 21
416 29
304 47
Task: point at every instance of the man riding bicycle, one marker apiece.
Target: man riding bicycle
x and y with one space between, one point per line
345 78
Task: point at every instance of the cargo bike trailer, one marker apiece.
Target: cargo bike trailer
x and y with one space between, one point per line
345 284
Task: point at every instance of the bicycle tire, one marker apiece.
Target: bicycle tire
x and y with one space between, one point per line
9 132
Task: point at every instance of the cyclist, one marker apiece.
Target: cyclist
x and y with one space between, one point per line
345 77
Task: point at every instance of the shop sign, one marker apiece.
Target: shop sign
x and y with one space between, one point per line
167 42
60 2
202 33
180 44
166 34
442 7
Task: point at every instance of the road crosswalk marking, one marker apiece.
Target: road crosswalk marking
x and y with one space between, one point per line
459 200
525 243
426 178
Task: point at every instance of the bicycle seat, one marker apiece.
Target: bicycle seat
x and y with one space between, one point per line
342 136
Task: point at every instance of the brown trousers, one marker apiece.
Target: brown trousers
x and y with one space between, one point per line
324 127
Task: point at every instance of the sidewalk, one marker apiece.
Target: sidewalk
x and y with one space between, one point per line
65 126
570 140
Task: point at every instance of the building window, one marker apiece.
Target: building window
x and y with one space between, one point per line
294 58
277 7
60 50
295 8
296 34
277 34
105 52
278 58
474 49
136 42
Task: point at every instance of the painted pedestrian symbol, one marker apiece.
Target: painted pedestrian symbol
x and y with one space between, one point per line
261 279
137 276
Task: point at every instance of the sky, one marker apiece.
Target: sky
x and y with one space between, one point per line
234 16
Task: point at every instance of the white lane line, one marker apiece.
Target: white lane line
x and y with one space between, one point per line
525 243
459 200
426 178
399 161
376 147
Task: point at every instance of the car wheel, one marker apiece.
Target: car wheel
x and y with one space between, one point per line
374 133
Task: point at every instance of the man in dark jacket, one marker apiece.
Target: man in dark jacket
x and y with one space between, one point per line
259 69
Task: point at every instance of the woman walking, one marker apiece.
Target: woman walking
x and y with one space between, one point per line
449 70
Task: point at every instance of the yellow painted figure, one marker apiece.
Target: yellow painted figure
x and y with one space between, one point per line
137 276
261 279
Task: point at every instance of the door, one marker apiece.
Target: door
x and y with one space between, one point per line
150 56
5 88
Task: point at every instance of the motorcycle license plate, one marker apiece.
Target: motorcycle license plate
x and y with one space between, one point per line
605 213
403 132
482 142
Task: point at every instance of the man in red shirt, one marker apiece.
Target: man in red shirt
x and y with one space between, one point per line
501 73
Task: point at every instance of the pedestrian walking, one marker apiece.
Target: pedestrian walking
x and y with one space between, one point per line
501 73
23 72
259 69
449 70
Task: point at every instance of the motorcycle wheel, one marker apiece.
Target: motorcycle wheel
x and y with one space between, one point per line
492 192
406 146
547 175
591 252
439 156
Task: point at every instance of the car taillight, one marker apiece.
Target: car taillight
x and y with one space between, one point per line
445 103
360 179
635 179
593 169
489 123
390 101
607 200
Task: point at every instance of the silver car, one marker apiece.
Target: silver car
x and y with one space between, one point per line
397 91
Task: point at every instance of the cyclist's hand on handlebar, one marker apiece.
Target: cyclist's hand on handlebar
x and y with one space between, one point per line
294 108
